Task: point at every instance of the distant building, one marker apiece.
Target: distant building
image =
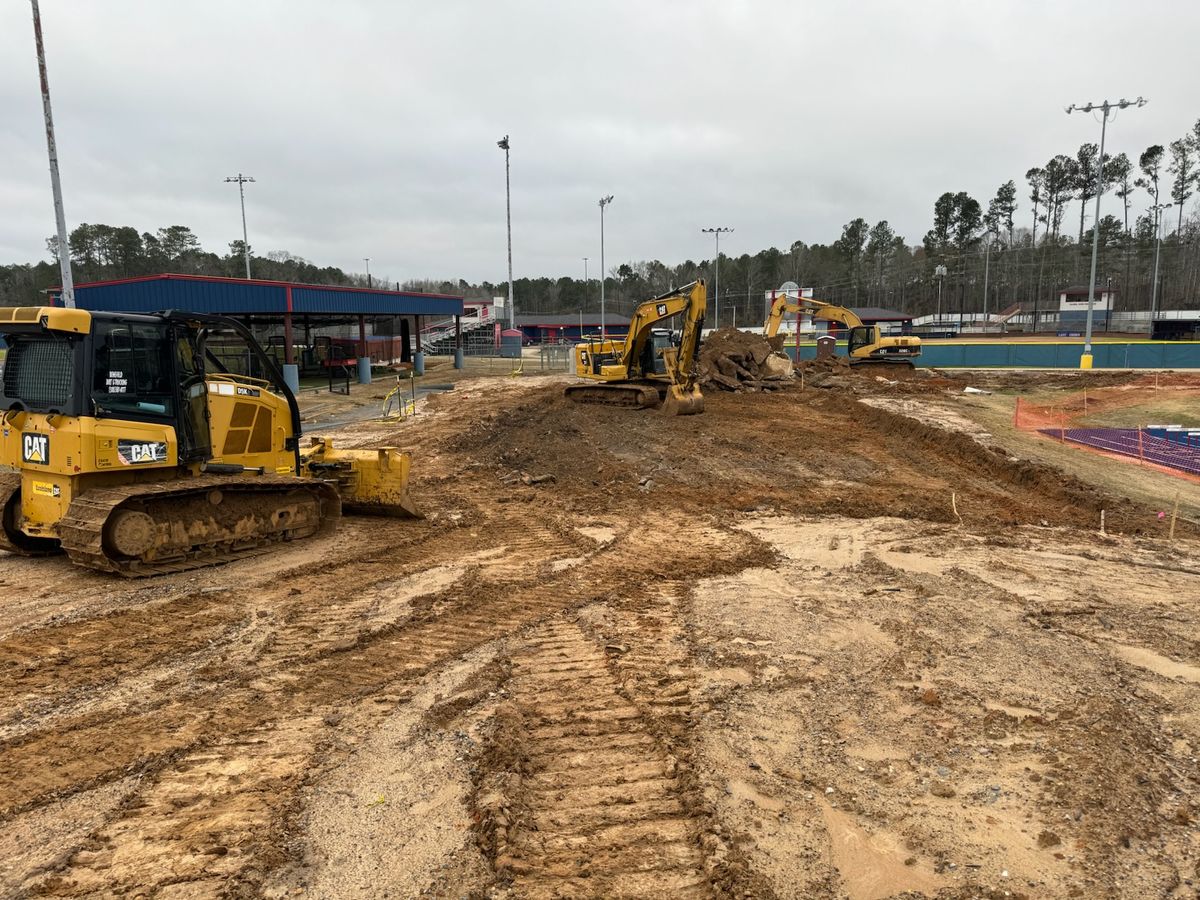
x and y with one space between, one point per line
564 328
1073 305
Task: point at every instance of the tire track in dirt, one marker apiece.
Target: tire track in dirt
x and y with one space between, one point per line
582 799
221 804
255 769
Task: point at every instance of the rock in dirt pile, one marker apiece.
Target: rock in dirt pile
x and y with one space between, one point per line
735 360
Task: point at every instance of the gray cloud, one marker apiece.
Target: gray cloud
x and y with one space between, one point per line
371 126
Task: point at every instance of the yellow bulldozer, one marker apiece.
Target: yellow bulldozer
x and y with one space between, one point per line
864 343
129 446
647 366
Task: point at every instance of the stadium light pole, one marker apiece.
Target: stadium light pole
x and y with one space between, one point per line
504 145
60 217
716 233
939 273
604 201
1158 211
1085 361
241 181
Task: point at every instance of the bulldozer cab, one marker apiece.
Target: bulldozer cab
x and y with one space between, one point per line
138 368
152 371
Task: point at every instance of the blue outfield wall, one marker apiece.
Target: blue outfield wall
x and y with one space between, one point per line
1044 354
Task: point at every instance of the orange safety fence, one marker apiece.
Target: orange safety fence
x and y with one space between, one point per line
1072 411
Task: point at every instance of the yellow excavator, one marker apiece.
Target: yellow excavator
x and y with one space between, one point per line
136 451
864 343
647 366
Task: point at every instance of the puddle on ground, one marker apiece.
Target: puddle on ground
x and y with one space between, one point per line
1160 665
872 865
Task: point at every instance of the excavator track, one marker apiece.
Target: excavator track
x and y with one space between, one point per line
630 396
11 537
157 528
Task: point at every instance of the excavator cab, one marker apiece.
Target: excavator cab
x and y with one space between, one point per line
652 362
859 337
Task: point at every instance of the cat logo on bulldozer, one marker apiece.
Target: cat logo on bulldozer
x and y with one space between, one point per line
134 453
35 448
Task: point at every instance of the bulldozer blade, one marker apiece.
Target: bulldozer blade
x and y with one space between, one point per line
683 402
370 482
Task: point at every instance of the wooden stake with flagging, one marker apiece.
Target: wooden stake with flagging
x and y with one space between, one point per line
1101 522
954 506
1174 516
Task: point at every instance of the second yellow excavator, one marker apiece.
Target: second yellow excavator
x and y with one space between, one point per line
864 343
647 364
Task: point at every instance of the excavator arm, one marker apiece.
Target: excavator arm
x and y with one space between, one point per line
689 300
864 342
626 370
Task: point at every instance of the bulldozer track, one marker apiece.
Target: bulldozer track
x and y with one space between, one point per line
82 529
599 810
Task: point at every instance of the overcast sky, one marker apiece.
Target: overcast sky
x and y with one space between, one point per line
371 127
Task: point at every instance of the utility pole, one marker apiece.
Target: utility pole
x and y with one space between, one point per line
585 283
60 217
367 260
241 181
716 233
604 201
939 273
1158 211
503 145
1085 361
987 256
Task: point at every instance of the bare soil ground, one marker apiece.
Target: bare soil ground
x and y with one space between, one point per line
799 646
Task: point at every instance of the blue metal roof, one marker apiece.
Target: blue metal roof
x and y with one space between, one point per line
231 296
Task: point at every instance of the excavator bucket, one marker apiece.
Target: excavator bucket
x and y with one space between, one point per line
683 401
371 482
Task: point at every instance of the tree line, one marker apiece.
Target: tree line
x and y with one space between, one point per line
104 252
1020 254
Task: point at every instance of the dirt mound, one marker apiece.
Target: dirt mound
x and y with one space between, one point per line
735 360
836 373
